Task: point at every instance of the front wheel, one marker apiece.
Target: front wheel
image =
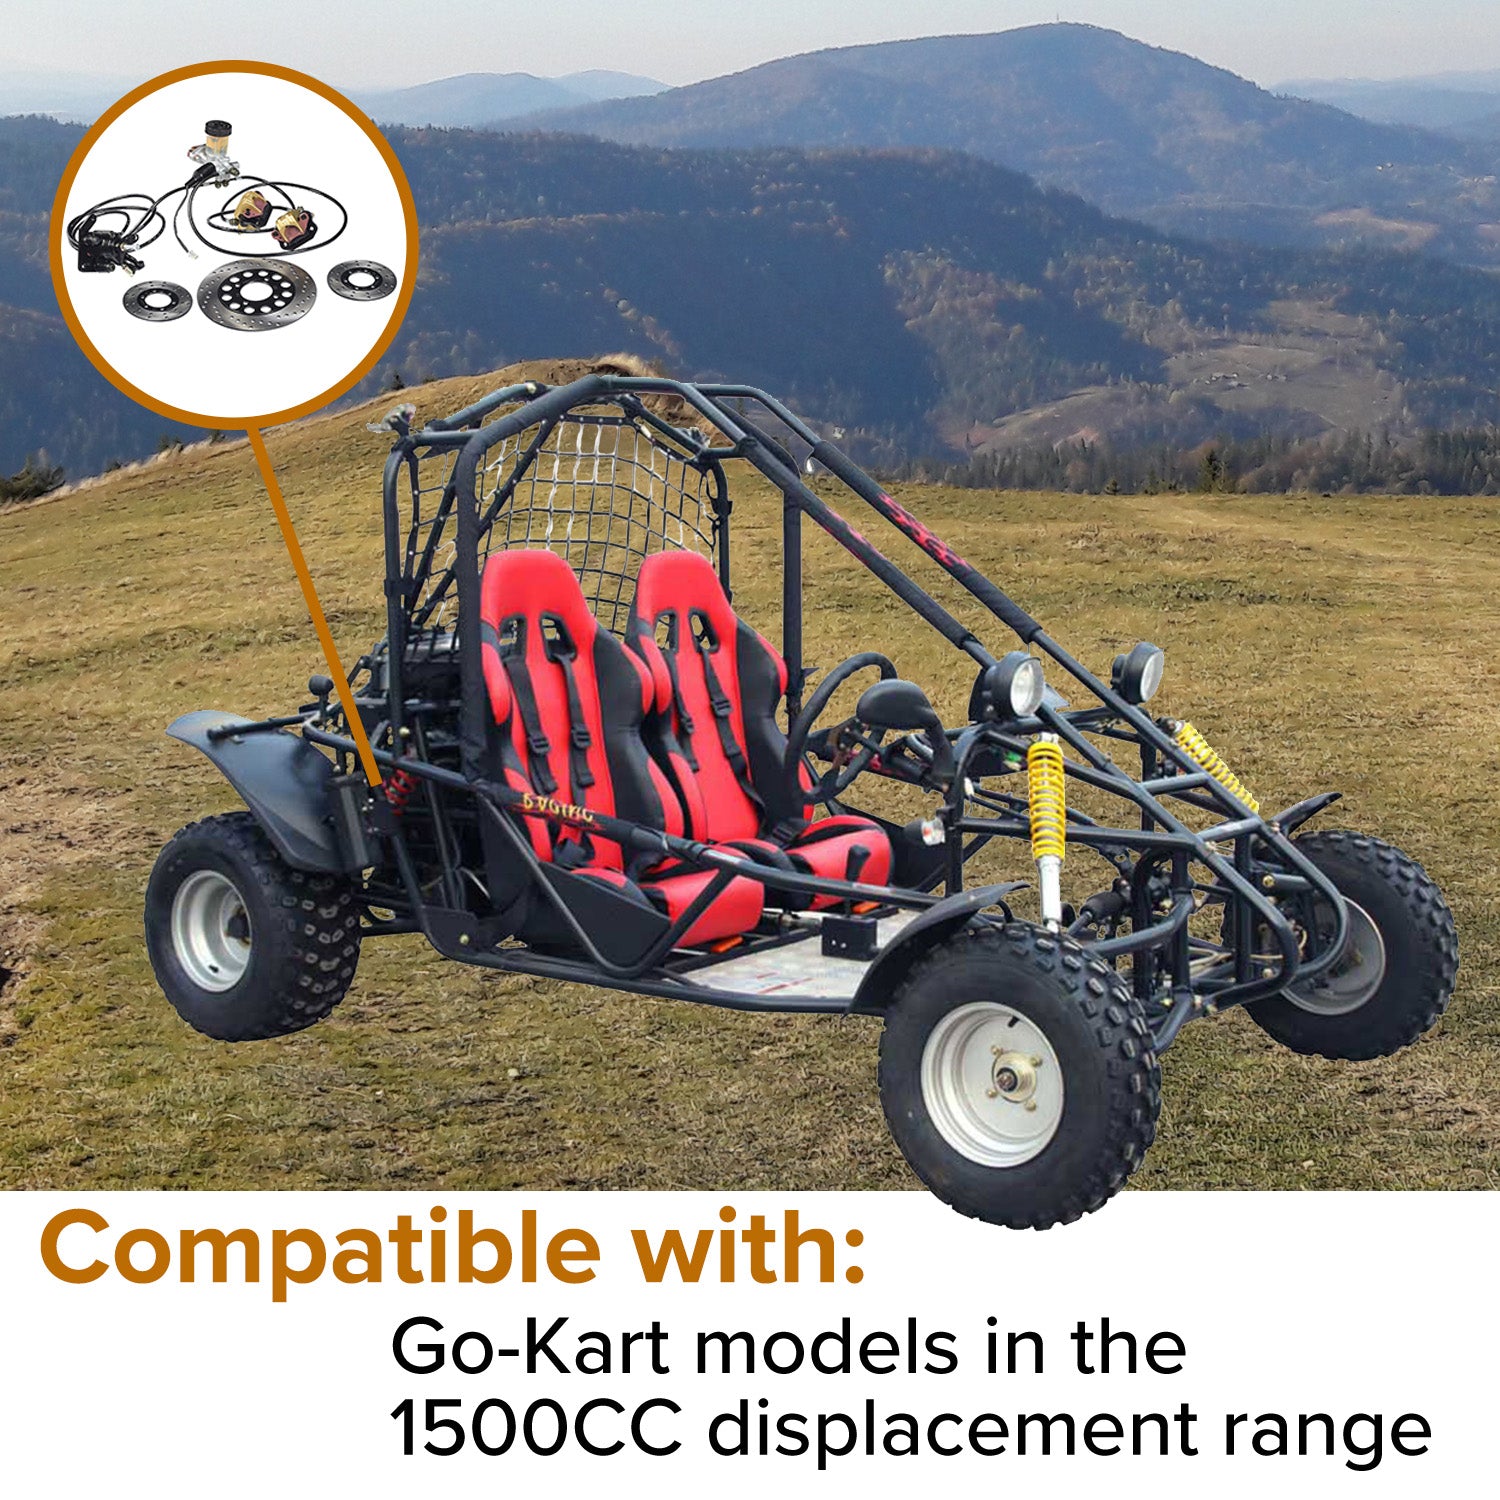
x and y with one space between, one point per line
243 945
1399 965
1018 1077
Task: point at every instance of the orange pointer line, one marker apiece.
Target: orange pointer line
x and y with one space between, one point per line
310 594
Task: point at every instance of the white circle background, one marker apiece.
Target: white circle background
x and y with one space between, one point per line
280 130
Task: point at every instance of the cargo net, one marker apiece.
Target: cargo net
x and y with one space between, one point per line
603 495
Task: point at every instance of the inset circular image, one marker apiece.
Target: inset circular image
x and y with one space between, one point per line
211 203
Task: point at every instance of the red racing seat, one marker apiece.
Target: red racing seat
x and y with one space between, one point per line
569 702
718 684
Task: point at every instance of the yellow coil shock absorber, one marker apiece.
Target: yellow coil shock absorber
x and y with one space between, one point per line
1047 785
1212 762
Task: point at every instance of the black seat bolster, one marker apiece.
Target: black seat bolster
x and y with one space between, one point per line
639 784
765 741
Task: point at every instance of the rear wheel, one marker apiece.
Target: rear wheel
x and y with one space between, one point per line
1018 1077
243 945
1399 965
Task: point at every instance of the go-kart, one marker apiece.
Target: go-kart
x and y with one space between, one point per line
585 775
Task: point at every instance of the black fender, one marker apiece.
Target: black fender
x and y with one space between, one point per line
935 924
285 782
1294 817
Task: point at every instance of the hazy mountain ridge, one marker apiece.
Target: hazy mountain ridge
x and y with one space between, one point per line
1139 130
484 99
1465 105
72 97
1432 104
472 99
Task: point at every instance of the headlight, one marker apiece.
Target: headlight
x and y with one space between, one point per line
1137 673
1015 686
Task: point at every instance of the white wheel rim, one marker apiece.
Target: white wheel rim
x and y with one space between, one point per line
992 1084
1356 973
211 931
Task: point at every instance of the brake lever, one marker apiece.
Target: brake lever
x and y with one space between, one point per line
838 743
848 740
817 745
916 745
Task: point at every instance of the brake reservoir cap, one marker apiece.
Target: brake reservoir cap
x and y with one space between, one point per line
216 135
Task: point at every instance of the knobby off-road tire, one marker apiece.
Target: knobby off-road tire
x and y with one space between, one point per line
998 1017
244 946
1420 945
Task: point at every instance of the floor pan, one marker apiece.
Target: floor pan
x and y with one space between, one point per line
799 967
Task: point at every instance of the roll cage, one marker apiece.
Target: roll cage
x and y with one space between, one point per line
512 468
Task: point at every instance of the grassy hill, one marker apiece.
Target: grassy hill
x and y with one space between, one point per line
1346 643
1139 130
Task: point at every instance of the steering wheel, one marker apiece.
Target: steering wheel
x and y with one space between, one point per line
846 766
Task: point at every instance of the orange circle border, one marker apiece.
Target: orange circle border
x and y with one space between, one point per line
55 244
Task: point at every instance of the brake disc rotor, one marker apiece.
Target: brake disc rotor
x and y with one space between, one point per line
362 280
248 295
157 301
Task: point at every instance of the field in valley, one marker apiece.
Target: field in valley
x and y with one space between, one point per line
1346 642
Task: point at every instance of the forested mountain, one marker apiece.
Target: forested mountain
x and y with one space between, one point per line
928 297
1138 130
51 398
927 302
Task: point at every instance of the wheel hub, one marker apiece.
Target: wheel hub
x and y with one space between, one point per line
1355 974
992 1084
1014 1077
211 931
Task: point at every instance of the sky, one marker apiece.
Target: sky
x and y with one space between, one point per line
387 43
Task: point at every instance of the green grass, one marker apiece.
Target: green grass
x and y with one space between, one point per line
1344 643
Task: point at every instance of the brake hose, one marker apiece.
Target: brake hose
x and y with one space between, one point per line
140 220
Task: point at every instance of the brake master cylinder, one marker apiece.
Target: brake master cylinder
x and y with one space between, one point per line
214 152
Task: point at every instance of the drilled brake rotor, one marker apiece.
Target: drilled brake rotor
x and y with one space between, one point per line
157 301
248 295
362 280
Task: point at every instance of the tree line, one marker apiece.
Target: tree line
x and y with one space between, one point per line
1464 461
36 477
